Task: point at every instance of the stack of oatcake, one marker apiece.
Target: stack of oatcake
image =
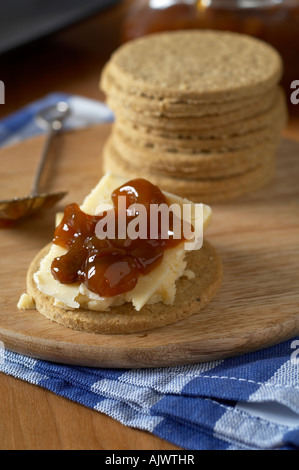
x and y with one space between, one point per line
198 113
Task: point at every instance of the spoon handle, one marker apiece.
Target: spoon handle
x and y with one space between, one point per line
35 187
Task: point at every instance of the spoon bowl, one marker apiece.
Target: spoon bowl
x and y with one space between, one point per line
19 207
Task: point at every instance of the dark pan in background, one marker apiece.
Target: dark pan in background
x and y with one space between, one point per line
22 21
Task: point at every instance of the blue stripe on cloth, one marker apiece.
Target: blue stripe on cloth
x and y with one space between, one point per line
291 440
189 437
21 123
238 380
195 406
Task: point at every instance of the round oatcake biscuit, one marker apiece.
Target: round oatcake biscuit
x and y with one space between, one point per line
163 107
201 122
277 115
208 127
207 191
192 144
197 64
191 297
196 165
116 164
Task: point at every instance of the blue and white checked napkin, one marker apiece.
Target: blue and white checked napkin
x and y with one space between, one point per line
21 125
247 402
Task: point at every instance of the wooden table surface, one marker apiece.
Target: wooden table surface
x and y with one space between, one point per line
69 61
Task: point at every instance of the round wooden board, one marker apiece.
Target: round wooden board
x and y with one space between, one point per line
257 237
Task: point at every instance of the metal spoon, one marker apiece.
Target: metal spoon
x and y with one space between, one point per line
51 119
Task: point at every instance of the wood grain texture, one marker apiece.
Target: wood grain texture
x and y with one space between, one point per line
33 418
257 238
